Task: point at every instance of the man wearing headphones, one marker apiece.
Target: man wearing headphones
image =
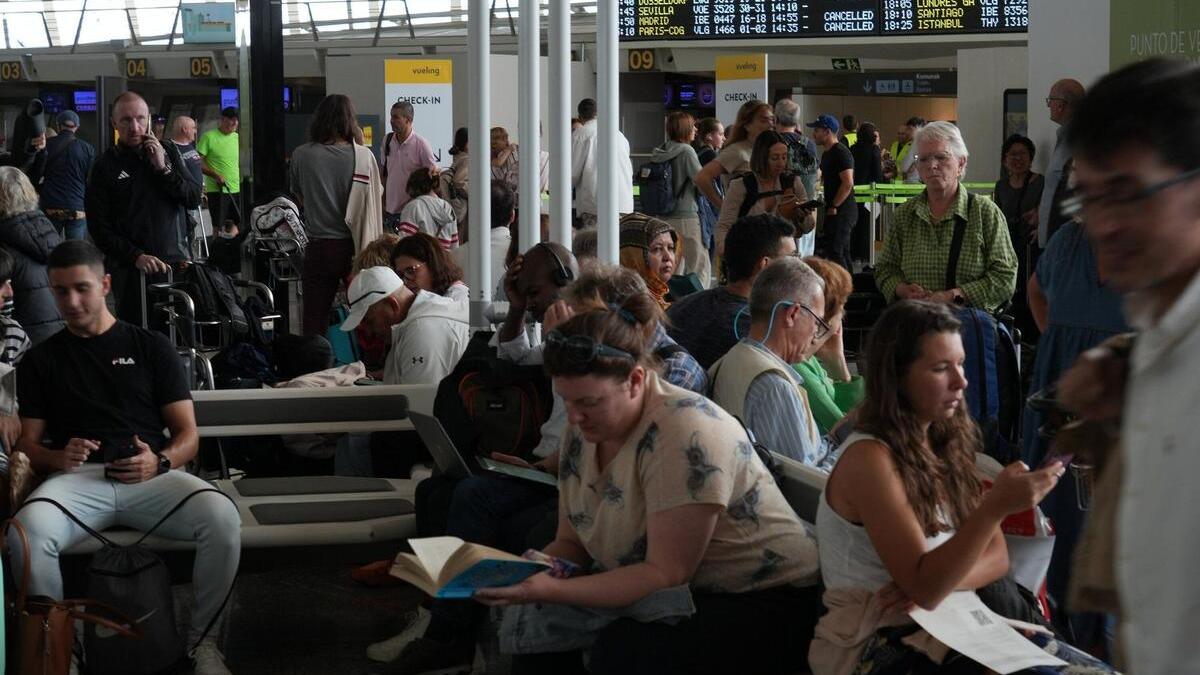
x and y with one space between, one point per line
532 284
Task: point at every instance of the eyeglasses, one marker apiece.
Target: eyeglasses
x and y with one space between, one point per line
823 328
938 158
410 272
1050 99
1077 205
583 349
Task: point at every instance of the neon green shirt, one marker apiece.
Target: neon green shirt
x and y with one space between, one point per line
221 152
829 401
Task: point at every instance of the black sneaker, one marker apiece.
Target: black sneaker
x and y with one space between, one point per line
424 656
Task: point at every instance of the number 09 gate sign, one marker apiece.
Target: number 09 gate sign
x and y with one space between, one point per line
427 84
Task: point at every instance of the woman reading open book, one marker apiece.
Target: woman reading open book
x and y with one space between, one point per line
660 492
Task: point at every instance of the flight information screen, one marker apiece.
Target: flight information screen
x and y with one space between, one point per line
730 19
908 17
716 19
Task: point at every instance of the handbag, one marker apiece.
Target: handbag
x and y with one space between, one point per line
41 630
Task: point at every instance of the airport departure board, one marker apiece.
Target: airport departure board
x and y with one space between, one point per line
908 17
733 19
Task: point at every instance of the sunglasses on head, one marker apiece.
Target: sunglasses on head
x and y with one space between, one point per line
582 349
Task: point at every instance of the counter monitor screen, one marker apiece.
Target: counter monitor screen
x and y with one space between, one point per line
909 17
85 100
651 20
725 19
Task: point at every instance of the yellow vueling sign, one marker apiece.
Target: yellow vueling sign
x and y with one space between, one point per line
418 71
742 67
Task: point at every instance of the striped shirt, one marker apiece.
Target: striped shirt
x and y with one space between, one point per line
916 250
14 342
780 417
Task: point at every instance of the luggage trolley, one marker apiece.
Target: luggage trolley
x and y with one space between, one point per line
196 339
279 240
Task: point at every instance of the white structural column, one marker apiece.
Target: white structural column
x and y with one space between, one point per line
559 90
529 40
607 98
480 214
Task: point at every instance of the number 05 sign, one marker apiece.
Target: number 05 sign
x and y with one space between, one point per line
201 66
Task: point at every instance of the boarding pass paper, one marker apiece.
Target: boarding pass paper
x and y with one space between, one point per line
963 623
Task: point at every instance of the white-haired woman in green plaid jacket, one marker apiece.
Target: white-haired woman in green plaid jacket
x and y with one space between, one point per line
916 251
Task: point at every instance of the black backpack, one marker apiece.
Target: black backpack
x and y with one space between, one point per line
801 160
657 193
136 581
488 404
214 297
750 181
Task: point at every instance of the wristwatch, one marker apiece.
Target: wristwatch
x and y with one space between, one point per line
164 463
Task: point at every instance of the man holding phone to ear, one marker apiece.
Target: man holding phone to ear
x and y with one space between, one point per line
137 202
95 401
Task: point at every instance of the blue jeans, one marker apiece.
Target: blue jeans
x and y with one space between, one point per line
486 509
71 228
212 521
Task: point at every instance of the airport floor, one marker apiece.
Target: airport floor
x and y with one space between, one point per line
310 620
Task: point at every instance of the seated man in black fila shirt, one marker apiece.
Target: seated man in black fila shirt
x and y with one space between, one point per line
95 400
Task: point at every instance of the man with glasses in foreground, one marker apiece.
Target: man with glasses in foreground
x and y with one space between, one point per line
755 381
1136 140
428 332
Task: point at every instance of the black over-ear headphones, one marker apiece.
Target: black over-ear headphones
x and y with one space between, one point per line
561 274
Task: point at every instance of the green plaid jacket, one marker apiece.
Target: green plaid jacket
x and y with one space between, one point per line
917 250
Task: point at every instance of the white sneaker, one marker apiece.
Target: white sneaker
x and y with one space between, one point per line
389 649
208 660
420 472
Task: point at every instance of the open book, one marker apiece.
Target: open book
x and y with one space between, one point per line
449 568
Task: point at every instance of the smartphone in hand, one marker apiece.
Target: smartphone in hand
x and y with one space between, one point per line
111 451
1064 458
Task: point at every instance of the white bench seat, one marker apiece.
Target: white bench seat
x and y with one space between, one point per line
308 510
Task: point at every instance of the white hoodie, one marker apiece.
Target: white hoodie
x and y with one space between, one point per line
433 216
429 342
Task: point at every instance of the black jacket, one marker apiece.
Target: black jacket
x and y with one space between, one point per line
68 161
30 237
868 163
132 209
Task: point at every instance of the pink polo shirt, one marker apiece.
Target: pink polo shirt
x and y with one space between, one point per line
400 160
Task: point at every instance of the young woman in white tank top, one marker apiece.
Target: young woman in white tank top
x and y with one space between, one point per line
904 514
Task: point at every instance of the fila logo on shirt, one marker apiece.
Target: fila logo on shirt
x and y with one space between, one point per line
124 361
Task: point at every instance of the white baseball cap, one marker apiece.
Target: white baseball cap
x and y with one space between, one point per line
369 287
